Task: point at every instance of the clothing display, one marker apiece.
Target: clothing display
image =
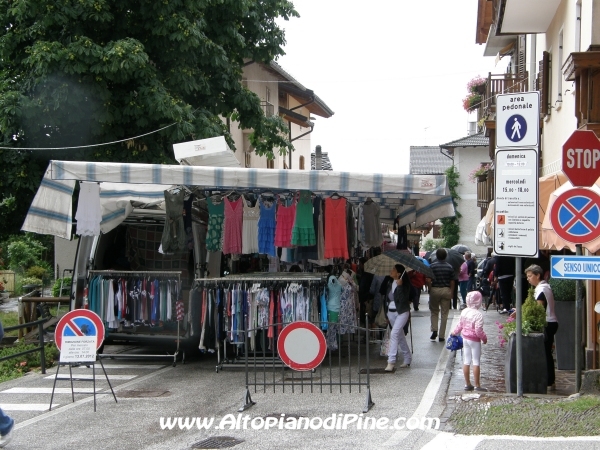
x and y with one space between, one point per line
250 228
304 230
174 237
214 232
266 228
286 215
232 237
372 224
89 211
336 241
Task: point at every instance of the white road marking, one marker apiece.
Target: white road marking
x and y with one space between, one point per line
89 376
21 390
123 366
26 406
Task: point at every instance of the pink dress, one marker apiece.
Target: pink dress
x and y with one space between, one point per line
232 240
286 216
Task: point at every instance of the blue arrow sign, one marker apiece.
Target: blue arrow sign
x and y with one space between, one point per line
575 267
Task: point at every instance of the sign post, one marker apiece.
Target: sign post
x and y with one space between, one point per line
517 164
78 336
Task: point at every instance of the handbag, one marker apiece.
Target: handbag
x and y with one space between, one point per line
380 319
454 343
385 343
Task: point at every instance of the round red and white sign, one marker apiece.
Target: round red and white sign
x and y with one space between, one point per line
302 346
79 322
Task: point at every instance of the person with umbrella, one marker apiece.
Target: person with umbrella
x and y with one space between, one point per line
397 306
440 294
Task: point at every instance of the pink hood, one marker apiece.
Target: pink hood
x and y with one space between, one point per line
474 299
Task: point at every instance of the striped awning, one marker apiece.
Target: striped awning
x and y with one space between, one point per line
427 194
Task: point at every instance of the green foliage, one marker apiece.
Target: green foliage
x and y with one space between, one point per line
66 286
534 313
37 272
31 280
19 366
450 229
564 290
76 73
432 244
24 251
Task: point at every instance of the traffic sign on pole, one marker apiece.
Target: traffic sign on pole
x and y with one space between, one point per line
79 322
518 119
516 202
301 346
581 158
575 267
575 215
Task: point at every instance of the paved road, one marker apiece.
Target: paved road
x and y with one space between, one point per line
196 390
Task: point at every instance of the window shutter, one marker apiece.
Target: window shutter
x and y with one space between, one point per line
520 63
543 84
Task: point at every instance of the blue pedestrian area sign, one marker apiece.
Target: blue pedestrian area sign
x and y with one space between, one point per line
575 267
518 120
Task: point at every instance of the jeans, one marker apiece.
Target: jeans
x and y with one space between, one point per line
506 288
463 290
6 423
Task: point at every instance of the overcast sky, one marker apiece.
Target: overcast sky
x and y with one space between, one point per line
393 71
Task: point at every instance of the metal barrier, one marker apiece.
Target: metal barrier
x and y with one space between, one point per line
40 324
265 368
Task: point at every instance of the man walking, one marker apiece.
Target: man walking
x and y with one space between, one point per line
440 294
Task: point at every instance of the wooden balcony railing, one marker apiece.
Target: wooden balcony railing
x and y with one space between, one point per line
485 190
501 84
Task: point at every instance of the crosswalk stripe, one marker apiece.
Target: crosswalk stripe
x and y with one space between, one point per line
21 390
124 366
26 406
89 376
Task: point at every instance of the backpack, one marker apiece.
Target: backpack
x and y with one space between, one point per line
454 343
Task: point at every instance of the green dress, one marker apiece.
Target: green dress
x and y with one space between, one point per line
303 233
214 233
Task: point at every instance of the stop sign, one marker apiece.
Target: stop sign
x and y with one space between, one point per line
581 158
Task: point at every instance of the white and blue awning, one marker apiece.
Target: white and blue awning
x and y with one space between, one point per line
428 194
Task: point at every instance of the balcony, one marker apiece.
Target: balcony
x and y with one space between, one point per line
268 108
505 83
485 190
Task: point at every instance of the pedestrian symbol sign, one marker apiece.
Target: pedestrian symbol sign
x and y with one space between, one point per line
516 128
518 120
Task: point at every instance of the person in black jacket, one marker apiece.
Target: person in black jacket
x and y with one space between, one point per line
397 304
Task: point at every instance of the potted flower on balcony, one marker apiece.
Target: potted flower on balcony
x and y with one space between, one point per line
479 173
471 102
477 85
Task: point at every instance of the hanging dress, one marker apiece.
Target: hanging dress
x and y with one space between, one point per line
372 224
232 241
336 241
216 217
173 237
266 228
304 229
250 228
286 215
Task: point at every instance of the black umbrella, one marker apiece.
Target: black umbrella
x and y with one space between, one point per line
454 258
409 260
460 248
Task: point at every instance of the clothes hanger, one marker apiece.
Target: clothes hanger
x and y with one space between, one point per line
335 196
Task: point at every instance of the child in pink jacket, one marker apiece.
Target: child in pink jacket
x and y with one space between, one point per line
471 328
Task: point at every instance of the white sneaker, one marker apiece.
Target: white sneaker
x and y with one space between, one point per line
4 440
390 367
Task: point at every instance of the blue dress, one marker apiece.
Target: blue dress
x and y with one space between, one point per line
266 229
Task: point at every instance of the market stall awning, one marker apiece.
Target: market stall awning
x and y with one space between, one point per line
429 194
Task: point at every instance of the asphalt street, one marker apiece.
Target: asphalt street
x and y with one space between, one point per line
150 390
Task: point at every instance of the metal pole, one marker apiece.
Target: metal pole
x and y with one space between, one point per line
518 296
578 310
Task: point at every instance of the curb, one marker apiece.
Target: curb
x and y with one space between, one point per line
442 395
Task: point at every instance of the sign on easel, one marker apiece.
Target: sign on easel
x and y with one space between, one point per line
79 323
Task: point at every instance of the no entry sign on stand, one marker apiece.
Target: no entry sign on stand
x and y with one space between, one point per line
302 346
79 323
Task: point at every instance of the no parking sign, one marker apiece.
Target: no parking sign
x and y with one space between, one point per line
79 334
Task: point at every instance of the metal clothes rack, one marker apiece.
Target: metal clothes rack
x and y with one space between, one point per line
267 278
142 274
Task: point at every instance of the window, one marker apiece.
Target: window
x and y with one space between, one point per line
543 83
301 163
270 164
248 160
577 26
559 75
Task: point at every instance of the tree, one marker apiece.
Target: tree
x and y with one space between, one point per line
81 72
450 229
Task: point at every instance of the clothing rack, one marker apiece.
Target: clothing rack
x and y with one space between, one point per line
313 280
169 338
